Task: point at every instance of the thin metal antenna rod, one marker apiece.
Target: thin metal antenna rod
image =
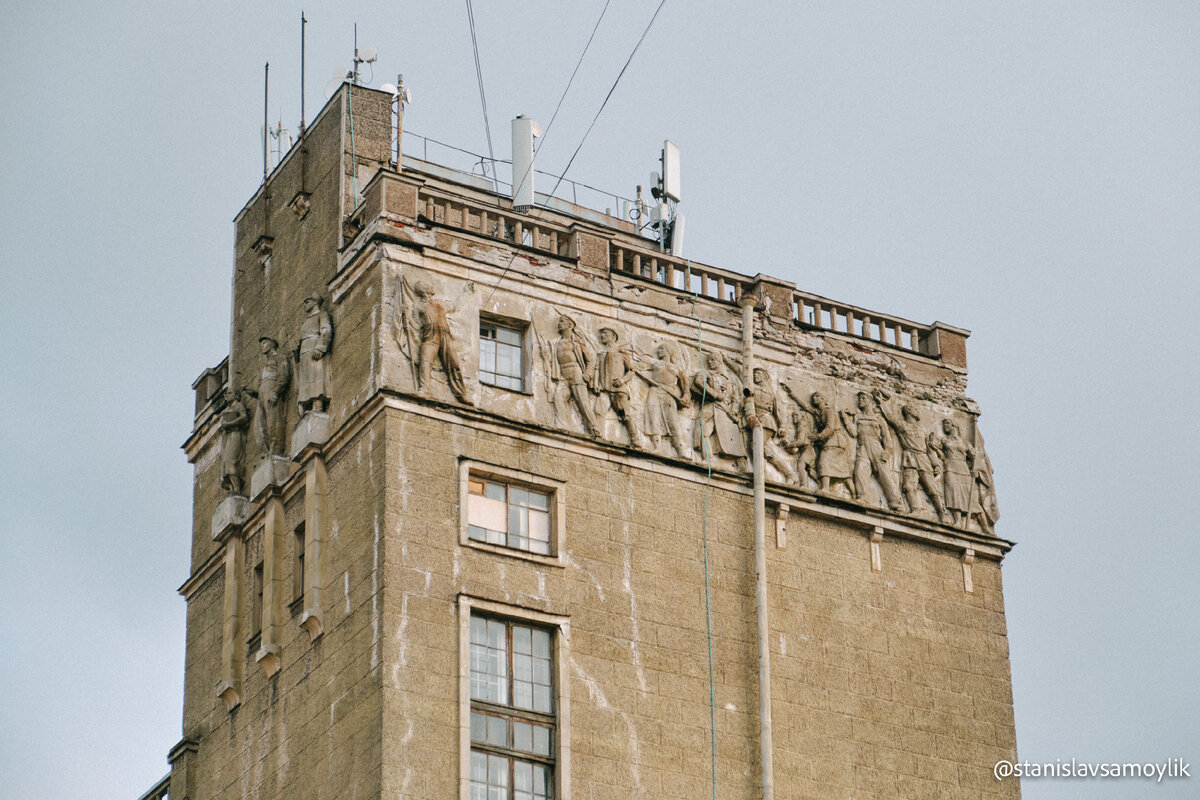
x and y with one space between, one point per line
303 22
266 124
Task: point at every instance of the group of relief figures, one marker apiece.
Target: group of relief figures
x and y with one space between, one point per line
815 446
262 407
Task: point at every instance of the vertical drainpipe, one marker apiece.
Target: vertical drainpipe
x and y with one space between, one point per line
766 743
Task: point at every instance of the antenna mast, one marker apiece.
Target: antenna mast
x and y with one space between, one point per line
266 123
303 22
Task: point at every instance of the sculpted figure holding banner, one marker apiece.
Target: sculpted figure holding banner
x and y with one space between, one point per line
571 365
916 470
316 335
273 380
668 393
234 421
717 431
871 455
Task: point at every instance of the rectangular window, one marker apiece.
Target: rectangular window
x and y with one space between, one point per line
298 571
508 514
512 706
501 355
256 613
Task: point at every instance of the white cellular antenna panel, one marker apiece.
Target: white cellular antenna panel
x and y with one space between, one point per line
677 236
670 165
524 131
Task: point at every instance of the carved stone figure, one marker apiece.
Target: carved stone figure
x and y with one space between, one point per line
312 371
668 393
916 470
832 441
571 366
614 372
234 422
717 431
273 380
956 457
871 454
766 408
436 341
799 441
984 508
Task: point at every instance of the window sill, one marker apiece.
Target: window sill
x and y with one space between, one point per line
552 560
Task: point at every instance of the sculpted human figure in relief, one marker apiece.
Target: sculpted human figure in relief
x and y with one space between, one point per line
668 393
916 470
436 341
984 508
571 368
316 336
717 431
871 454
614 373
234 421
799 442
273 380
832 441
956 457
766 408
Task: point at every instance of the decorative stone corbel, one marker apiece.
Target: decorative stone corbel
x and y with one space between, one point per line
781 517
301 204
876 560
263 246
968 558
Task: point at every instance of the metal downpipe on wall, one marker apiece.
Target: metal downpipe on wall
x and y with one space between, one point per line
766 734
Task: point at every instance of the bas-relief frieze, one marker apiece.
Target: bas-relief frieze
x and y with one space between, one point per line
836 422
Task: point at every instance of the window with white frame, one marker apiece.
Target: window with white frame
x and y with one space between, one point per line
502 354
512 707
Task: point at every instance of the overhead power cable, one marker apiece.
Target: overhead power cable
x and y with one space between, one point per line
482 95
546 133
628 61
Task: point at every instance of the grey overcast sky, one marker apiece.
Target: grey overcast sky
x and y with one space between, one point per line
1027 170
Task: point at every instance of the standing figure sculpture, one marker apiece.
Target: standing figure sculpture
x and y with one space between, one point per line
799 441
273 380
871 458
614 373
717 431
571 367
916 470
984 508
234 421
436 342
956 457
832 441
766 409
668 393
312 370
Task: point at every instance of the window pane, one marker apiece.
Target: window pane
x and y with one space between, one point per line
541 782
486 512
487 356
497 771
478 766
496 491
539 526
541 699
522 694
523 776
497 731
478 729
541 740
522 736
478 630
522 668
496 634
522 639
541 644
539 500
509 336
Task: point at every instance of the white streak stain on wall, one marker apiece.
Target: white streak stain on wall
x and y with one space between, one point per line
596 695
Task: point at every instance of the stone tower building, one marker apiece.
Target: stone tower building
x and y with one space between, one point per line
492 504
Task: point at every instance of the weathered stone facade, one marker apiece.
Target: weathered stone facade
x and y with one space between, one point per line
338 576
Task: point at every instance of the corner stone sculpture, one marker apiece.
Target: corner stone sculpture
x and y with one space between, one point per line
956 457
312 370
916 470
234 421
871 456
274 377
832 442
717 431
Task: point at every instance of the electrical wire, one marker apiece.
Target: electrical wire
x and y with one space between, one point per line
628 61
482 96
546 133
